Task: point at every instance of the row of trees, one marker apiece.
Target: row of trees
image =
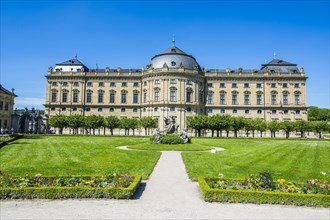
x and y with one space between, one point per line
318 114
89 124
227 123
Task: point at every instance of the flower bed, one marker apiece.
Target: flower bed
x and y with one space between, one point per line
262 189
119 186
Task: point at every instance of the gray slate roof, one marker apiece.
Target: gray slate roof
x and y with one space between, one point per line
5 91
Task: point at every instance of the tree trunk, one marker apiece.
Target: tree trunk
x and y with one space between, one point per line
61 130
302 134
199 132
227 133
111 131
253 133
287 134
133 131
247 133
145 131
260 133
320 134
235 133
217 133
220 133
212 133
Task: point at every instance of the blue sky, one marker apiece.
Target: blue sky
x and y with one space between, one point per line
219 34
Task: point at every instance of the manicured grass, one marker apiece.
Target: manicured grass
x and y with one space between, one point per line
75 155
296 160
171 147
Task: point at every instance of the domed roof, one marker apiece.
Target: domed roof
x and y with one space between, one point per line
173 57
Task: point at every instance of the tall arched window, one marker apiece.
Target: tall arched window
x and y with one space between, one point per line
173 94
189 95
89 96
112 96
274 97
100 96
234 97
123 96
65 95
135 96
210 97
156 94
246 98
259 98
54 95
285 97
75 96
222 97
297 97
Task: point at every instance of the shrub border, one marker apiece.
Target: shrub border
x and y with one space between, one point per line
13 138
261 197
58 192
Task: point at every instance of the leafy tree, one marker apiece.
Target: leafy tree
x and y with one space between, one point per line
93 122
125 124
237 124
112 122
212 123
249 126
288 127
58 121
318 114
273 126
302 126
261 125
75 122
226 121
321 126
134 124
198 122
147 123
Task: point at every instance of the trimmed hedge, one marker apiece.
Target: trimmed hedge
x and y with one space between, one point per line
8 139
259 197
171 139
70 192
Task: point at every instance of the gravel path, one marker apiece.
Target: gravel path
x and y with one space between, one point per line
169 194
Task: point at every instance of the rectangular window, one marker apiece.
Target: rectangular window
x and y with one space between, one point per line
297 99
222 85
64 97
246 99
1 106
124 84
89 84
75 97
188 98
135 84
112 84
210 85
273 111
111 109
65 84
273 99
188 82
136 98
285 85
156 96
6 106
172 81
285 99
296 85
100 97
157 82
222 99
222 111
172 109
258 85
273 85
247 111
135 110
259 99
89 97
246 85
123 110
234 85
54 96
209 110
101 84
123 98
75 84
54 83
144 97
112 97
234 99
210 98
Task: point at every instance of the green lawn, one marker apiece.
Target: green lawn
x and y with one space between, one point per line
170 147
75 155
296 160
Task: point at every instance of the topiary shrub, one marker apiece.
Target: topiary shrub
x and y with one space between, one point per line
171 139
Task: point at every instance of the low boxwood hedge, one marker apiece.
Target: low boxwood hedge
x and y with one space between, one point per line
4 140
259 197
58 192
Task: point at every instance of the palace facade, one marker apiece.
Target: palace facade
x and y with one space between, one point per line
6 107
174 84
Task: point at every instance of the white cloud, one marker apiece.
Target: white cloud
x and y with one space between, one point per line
29 102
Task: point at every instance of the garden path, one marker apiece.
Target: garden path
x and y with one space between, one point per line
168 194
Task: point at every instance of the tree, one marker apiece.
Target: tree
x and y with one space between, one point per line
318 114
93 122
75 122
127 124
134 124
302 126
261 125
58 121
212 123
198 122
273 126
112 122
321 126
249 126
288 127
237 124
147 123
226 121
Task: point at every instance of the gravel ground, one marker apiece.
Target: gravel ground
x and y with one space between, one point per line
169 194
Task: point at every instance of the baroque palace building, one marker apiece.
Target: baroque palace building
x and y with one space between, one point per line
6 107
174 84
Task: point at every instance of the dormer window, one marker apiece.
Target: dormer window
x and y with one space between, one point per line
173 50
173 63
